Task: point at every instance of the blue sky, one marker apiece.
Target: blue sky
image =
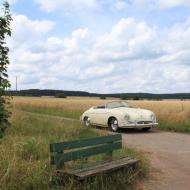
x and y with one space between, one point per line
101 45
106 14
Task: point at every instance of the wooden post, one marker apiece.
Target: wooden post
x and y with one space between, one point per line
110 154
60 166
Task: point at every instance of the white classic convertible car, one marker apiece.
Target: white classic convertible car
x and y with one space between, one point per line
119 114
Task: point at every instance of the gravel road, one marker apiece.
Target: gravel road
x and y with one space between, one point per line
169 154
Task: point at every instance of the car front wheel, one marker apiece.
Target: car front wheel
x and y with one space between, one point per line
114 125
86 122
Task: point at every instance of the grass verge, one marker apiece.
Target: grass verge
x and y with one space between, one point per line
24 158
174 126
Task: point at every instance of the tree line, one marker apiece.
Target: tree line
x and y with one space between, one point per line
124 96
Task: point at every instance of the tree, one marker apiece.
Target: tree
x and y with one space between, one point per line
60 95
136 98
5 31
124 97
102 97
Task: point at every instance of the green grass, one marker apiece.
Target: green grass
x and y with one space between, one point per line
24 158
55 111
174 126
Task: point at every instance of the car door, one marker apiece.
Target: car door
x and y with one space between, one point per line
99 115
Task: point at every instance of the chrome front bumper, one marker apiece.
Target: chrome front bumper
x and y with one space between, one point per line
136 125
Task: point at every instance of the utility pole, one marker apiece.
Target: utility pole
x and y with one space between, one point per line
16 84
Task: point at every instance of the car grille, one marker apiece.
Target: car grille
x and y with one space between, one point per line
144 122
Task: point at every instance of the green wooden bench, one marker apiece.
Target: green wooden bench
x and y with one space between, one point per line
72 150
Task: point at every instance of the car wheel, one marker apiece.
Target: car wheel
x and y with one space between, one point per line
146 129
86 122
114 125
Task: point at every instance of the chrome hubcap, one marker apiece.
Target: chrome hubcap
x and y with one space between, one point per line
114 125
87 122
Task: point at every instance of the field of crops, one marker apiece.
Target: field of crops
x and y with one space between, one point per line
24 150
172 114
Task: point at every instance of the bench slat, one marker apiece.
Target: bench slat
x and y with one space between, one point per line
57 147
59 159
98 165
106 167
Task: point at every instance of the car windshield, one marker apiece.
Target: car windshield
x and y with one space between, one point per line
118 104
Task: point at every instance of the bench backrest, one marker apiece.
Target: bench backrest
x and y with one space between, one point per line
83 148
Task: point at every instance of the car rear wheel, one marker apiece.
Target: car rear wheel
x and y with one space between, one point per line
146 129
86 122
114 125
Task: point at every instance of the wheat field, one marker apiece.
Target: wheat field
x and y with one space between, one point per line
171 114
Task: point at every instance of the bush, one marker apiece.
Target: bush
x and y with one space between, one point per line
4 114
102 97
124 97
136 98
60 95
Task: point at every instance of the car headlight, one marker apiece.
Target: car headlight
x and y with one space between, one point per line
127 117
153 117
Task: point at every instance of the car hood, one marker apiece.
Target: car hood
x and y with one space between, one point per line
134 113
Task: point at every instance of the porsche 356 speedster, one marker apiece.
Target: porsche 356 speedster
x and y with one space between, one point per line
119 114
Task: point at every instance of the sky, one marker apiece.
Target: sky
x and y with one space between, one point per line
102 46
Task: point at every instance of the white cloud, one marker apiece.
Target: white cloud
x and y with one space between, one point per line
69 6
78 42
89 5
161 3
131 57
25 30
120 5
129 40
172 3
26 33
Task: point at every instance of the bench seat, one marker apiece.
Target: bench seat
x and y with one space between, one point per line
106 167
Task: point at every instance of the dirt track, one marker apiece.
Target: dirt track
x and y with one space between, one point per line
169 154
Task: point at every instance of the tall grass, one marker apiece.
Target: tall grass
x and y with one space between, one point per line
172 115
24 155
